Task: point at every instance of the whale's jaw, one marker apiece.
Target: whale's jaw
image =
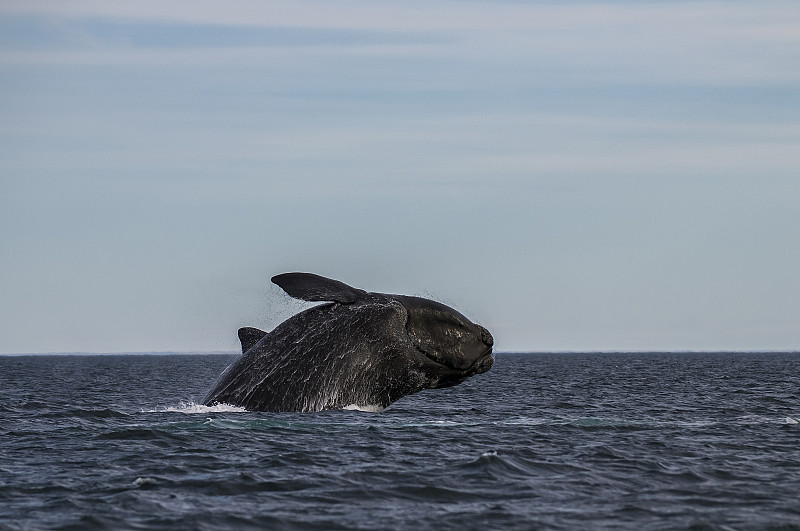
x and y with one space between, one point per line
453 377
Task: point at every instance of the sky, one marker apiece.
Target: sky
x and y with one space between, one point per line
574 175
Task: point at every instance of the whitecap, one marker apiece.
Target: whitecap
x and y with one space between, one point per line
524 421
191 407
144 481
790 420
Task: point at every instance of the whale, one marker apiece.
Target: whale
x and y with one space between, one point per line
356 350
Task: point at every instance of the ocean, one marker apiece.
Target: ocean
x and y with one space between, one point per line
541 441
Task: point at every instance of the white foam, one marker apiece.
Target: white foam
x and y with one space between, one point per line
144 481
790 420
367 408
191 407
524 421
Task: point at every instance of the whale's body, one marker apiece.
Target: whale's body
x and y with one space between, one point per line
362 350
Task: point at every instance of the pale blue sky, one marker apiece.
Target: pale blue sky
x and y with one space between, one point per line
573 175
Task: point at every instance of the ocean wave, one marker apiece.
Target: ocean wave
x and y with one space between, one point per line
680 449
104 413
140 434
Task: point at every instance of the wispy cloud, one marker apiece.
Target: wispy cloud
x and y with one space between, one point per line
697 42
717 17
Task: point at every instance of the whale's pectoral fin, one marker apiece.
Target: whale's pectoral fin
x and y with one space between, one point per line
315 288
250 336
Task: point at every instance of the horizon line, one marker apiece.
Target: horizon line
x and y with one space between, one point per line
522 352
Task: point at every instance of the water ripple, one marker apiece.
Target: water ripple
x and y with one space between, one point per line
607 441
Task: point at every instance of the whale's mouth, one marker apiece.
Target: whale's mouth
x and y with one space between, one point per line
454 376
481 364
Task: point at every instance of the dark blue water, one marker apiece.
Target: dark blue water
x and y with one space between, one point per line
561 441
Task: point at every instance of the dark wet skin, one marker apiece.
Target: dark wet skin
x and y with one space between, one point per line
363 349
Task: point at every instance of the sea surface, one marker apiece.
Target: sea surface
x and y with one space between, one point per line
542 441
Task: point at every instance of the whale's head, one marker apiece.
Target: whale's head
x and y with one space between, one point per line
448 339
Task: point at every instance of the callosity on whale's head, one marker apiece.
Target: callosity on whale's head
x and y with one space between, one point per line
367 349
447 338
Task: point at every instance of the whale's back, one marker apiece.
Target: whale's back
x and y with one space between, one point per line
326 357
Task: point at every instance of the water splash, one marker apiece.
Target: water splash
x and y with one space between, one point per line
367 408
192 408
145 481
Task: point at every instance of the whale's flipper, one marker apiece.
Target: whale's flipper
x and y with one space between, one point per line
315 288
250 336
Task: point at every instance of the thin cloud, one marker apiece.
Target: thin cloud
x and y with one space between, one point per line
437 15
700 42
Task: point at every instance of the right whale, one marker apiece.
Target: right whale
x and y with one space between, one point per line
363 350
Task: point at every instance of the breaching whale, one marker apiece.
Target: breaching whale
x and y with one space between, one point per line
362 349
